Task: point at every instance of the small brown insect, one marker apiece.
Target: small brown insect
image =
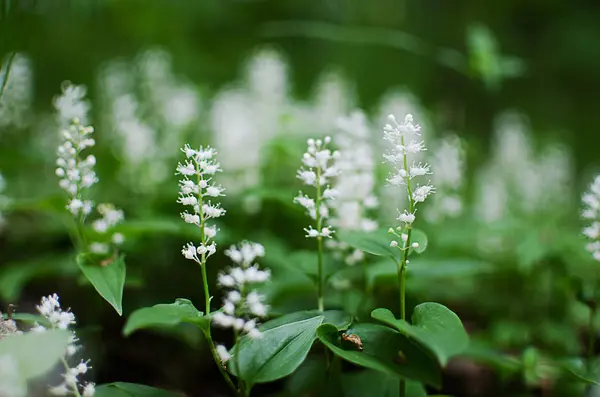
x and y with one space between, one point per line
354 339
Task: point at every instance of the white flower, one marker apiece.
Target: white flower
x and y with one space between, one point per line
321 168
75 172
223 353
404 142
242 304
58 318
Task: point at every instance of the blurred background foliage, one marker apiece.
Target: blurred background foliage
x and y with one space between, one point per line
514 80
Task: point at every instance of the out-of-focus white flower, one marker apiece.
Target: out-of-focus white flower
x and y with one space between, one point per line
75 171
150 111
405 142
448 159
15 102
318 171
591 213
110 217
355 184
197 190
58 318
516 180
72 105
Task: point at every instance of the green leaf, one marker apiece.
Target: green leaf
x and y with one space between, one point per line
108 280
384 350
35 352
123 389
434 326
341 320
578 369
418 236
163 315
278 353
371 383
376 243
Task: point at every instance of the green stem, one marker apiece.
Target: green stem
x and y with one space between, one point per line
319 220
7 73
320 302
73 384
405 248
207 310
591 337
222 370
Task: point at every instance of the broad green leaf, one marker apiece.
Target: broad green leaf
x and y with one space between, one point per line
384 350
418 236
35 352
376 243
278 353
434 326
340 319
369 383
123 389
163 315
108 279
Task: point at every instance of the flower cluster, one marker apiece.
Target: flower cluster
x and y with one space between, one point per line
76 173
242 306
355 183
591 213
8 327
404 142
71 104
197 193
110 217
64 319
320 169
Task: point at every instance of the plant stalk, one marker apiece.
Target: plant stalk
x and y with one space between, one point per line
207 298
591 348
319 219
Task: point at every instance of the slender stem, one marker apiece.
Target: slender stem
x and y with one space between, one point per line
7 73
404 260
319 220
217 359
73 385
207 299
206 291
591 337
